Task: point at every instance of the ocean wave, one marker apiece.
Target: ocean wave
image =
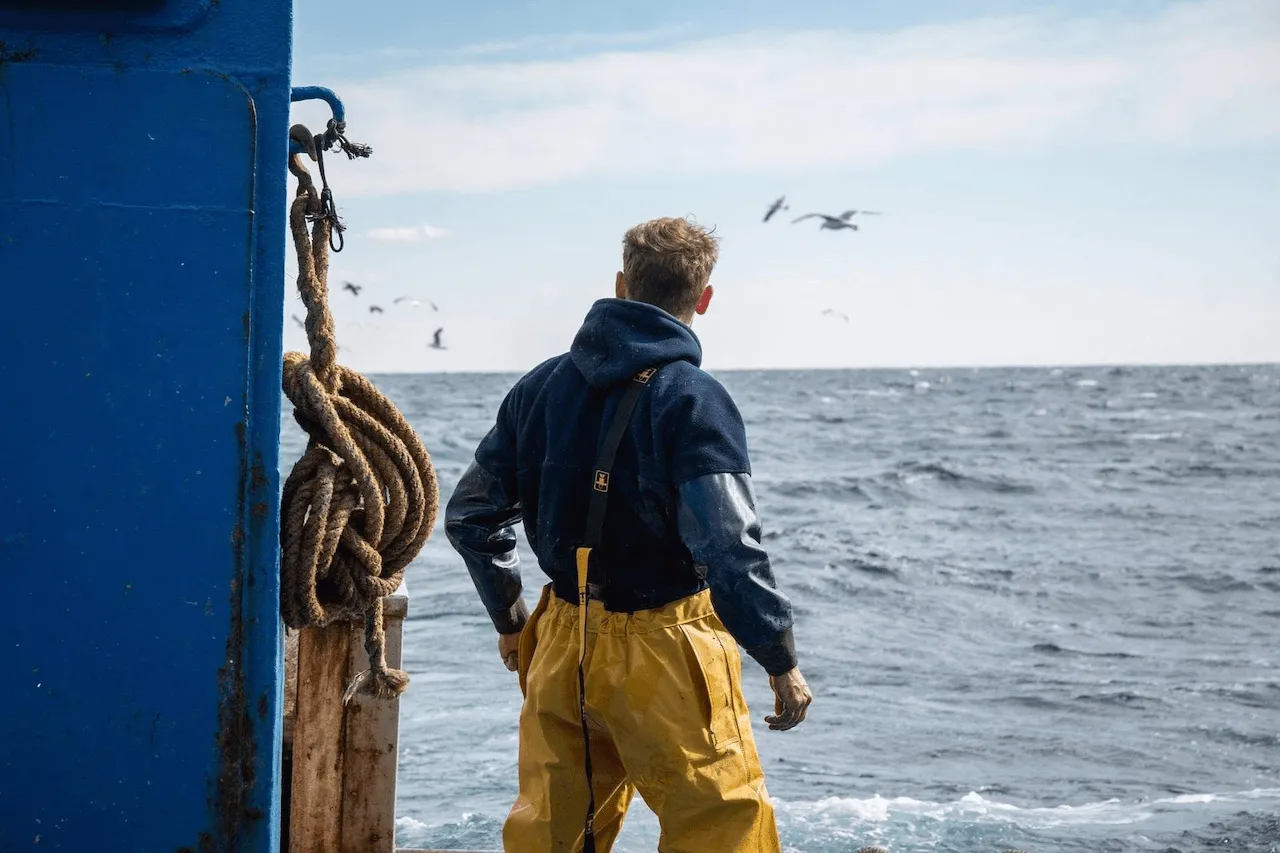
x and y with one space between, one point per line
905 482
854 575
1225 472
470 832
915 472
1252 694
973 822
1126 698
1215 583
833 488
975 808
874 566
1156 436
1055 649
1226 734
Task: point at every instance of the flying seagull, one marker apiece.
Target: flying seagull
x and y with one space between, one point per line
354 288
835 313
775 207
435 339
832 223
835 223
375 309
413 302
301 324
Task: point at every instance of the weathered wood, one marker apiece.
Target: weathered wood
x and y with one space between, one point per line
343 759
290 683
286 744
372 747
315 810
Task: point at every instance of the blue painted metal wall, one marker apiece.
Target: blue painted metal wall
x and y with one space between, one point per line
142 240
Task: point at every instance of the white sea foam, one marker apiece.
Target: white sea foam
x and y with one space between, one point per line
975 808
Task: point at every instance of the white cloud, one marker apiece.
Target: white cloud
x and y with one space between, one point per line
548 43
1203 74
407 233
567 42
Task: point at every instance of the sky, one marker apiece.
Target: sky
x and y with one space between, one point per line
1060 183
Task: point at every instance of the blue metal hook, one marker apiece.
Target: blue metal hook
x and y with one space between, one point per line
317 93
320 93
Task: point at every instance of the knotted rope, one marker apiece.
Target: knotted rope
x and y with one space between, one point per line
361 502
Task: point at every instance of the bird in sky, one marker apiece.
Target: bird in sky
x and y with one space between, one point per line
375 309
832 223
435 339
835 223
780 204
354 288
301 325
413 302
834 313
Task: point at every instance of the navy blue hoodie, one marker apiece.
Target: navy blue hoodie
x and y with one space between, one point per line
681 514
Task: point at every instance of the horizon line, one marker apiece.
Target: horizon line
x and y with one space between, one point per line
906 367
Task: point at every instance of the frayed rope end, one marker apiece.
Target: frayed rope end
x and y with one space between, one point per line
382 684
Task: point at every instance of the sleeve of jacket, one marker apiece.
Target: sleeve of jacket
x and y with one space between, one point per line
717 521
480 521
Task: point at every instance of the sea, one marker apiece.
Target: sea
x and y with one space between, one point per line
1038 609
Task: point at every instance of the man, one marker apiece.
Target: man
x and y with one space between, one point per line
632 646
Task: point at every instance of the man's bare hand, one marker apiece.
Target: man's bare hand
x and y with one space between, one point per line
791 698
509 650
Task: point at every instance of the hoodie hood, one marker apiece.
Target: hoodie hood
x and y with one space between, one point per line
620 337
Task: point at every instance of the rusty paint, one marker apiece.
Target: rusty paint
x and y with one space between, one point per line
235 737
260 510
244 320
264 707
26 54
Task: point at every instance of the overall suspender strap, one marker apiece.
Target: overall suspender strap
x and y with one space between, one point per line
591 540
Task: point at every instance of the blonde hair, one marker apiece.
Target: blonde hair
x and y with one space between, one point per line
667 262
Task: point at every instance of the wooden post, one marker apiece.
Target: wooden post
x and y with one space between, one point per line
342 760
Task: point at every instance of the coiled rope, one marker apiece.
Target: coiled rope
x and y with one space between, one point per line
362 500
